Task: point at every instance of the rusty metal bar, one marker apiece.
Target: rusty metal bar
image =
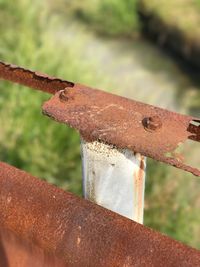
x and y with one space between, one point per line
114 120
32 79
125 123
77 231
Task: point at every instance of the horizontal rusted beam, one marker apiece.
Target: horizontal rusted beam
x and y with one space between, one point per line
114 120
151 131
77 231
32 79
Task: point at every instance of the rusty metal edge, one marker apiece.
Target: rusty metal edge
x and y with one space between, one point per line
82 109
53 85
32 79
78 231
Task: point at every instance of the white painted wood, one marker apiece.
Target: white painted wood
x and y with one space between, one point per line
114 178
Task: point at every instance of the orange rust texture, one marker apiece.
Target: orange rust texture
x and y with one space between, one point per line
32 79
77 231
114 120
119 121
15 252
139 187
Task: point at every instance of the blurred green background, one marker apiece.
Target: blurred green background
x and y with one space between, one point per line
100 43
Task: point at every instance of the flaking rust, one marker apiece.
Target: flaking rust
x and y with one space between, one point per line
125 123
114 120
32 79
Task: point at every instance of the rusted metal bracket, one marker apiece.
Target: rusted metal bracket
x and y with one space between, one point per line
125 123
42 225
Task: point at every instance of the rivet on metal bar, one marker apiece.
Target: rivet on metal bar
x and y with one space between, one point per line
126 124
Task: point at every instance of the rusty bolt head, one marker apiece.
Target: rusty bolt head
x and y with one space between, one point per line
152 123
64 95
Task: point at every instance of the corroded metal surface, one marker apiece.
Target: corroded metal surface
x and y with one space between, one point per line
32 79
78 231
16 252
142 128
125 123
114 178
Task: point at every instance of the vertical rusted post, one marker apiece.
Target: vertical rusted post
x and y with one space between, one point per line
114 178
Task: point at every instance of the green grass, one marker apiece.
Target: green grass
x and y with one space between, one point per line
28 139
198 3
110 18
172 203
180 14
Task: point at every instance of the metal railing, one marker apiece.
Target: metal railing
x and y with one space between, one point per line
117 134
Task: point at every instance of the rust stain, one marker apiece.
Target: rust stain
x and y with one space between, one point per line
142 164
91 189
141 177
139 183
32 79
76 231
119 121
